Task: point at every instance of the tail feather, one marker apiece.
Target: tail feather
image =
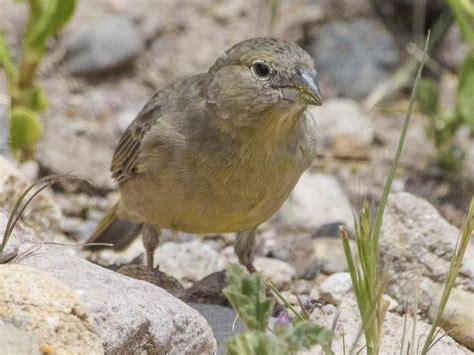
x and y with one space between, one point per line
114 230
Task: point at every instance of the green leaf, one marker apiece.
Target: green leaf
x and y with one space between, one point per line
35 13
256 343
25 128
465 95
308 334
6 61
53 15
247 296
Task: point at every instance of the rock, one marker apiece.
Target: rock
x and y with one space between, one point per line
130 315
316 200
223 321
309 257
83 149
11 248
155 277
42 215
209 290
416 244
458 316
109 43
298 251
344 130
14 340
335 287
46 307
135 251
330 255
279 272
349 325
189 261
355 57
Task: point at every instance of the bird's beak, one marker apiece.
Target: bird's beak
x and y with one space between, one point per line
304 88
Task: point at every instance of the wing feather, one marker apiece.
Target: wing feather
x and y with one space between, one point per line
149 126
126 158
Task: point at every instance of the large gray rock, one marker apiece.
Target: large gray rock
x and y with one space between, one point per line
44 306
189 261
416 245
130 315
106 44
355 57
348 327
316 200
223 321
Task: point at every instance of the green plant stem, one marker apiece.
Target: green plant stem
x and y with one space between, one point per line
287 304
366 275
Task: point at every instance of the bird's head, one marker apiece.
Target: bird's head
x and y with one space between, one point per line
260 74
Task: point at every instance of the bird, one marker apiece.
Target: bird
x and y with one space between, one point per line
217 152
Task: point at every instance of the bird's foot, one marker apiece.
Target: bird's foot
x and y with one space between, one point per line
250 268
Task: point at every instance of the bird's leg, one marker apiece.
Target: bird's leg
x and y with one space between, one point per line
246 248
151 240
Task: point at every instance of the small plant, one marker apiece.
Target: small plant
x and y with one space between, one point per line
27 99
22 203
247 295
367 277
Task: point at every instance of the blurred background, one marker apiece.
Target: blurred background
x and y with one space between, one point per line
75 73
98 70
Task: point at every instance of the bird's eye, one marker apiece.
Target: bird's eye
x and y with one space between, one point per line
261 69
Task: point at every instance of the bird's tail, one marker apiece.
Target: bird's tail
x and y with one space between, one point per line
114 230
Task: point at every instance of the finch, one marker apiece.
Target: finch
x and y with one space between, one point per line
217 152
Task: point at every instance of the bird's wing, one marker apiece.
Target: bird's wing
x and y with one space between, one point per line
154 128
126 158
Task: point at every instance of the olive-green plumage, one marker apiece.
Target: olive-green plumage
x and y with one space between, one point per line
220 151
